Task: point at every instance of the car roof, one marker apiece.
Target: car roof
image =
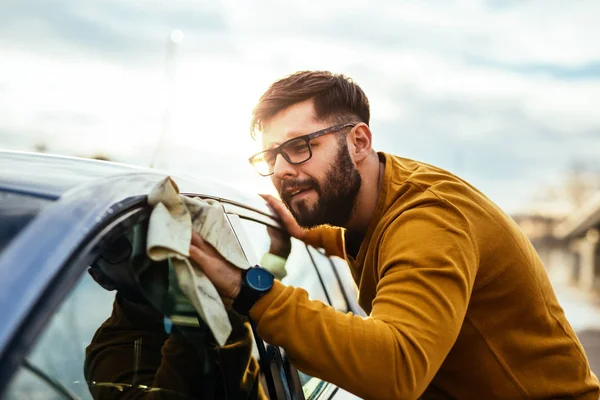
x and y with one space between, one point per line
51 176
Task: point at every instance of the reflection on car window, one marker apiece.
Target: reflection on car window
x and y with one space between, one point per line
36 384
298 266
125 332
16 211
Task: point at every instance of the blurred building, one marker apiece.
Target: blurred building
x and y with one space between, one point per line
581 230
567 244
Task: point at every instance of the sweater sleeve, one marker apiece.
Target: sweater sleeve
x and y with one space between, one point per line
426 269
327 237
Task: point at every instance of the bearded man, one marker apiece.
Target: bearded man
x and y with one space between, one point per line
458 300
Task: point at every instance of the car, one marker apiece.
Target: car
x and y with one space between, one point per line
71 231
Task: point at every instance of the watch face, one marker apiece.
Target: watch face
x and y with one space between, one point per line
259 279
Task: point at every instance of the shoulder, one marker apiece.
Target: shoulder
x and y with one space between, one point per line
427 215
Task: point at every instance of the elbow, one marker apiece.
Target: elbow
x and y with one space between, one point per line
404 390
413 370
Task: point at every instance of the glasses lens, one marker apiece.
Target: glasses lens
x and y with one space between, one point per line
297 151
262 164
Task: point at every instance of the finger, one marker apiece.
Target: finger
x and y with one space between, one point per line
204 261
283 212
202 244
269 198
265 196
199 256
273 202
197 240
277 204
285 215
209 263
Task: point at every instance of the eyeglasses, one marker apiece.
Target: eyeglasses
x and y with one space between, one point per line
295 151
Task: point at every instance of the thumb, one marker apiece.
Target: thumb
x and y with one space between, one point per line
266 196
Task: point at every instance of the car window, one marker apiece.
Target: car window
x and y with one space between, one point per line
295 268
327 270
16 211
304 266
35 384
125 331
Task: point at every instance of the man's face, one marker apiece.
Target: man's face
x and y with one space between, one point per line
323 189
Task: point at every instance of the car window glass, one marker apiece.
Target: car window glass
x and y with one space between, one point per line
304 266
125 331
34 384
295 267
328 273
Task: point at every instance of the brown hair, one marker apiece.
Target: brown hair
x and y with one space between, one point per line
336 98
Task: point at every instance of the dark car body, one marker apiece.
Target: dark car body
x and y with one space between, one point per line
57 213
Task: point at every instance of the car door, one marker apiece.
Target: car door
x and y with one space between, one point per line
305 267
101 331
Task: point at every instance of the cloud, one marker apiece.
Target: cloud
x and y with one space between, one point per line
111 29
520 33
501 92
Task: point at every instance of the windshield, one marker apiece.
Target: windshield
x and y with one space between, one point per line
16 212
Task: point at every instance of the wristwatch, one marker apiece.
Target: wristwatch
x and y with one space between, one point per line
256 281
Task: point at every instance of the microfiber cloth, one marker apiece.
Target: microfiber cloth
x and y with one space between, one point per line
169 235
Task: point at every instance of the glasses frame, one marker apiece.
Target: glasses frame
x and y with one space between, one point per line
306 138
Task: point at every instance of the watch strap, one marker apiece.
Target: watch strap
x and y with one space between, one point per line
246 298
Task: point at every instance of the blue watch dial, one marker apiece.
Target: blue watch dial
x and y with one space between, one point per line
259 279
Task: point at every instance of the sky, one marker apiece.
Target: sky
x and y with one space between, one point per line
502 93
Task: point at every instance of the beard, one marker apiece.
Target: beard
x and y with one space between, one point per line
336 195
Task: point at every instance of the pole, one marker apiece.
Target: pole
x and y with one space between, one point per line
173 41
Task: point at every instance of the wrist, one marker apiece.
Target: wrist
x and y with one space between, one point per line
255 283
238 286
306 234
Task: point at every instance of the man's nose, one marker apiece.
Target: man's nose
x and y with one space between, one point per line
282 168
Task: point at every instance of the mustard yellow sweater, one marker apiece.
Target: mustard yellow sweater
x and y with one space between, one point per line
458 302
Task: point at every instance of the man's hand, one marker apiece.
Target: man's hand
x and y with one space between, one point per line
286 216
281 245
226 277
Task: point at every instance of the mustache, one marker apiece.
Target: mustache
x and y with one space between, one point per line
285 185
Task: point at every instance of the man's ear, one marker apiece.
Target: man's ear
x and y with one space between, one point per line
361 141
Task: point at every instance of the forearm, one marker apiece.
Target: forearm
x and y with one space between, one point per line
366 356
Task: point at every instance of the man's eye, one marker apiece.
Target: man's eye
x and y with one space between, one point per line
297 147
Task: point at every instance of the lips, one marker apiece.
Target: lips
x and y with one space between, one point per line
289 192
297 191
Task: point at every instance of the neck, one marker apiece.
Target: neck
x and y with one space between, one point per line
368 196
